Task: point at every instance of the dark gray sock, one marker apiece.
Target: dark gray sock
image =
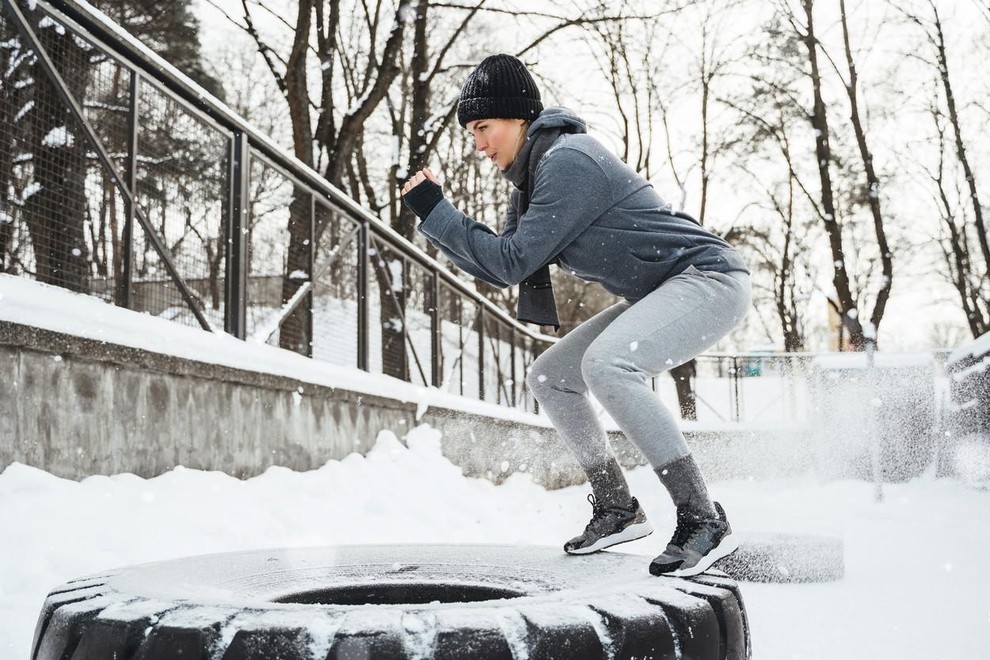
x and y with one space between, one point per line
686 486
609 485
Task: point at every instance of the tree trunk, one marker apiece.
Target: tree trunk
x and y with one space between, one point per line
957 253
683 376
819 121
55 211
11 100
296 333
950 100
872 181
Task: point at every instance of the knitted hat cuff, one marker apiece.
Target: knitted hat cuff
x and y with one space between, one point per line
498 107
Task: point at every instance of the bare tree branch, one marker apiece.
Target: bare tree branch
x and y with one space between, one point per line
267 53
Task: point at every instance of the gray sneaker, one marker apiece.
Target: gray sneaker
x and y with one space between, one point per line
610 526
696 545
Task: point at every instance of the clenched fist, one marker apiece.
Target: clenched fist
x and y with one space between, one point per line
422 193
418 178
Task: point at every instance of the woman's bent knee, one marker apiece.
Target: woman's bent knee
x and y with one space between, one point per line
600 372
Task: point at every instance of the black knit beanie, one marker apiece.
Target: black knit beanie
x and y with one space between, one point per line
499 88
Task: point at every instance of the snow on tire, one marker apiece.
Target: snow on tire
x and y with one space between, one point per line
482 602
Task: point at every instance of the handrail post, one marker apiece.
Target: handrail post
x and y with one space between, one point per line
512 368
737 407
125 286
481 353
311 262
362 297
436 344
235 316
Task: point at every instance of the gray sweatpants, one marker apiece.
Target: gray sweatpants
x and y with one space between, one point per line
614 354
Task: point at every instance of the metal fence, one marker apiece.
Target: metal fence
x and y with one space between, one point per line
125 180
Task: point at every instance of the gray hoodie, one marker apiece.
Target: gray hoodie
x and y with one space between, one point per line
595 215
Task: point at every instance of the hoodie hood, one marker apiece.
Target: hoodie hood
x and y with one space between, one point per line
556 120
558 117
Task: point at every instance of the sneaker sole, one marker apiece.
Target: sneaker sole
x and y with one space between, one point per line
631 533
726 547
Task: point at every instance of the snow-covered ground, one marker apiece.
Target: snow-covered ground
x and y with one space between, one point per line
916 586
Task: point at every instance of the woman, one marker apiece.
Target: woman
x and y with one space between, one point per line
576 205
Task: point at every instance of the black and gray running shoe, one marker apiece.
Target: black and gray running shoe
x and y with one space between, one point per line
610 526
696 545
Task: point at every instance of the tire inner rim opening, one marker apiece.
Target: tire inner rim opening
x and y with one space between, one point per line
406 593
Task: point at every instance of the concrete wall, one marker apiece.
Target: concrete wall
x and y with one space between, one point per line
77 407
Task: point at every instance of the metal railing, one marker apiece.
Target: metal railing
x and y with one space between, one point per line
126 180
760 387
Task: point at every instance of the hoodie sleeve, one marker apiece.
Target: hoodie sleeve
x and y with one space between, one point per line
512 214
468 266
571 191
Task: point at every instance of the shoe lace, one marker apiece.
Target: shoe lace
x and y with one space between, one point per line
598 511
687 528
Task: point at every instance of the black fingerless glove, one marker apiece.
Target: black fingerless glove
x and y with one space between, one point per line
423 197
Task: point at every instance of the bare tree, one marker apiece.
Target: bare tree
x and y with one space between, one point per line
636 61
778 247
358 62
843 300
958 252
770 123
872 188
968 263
789 69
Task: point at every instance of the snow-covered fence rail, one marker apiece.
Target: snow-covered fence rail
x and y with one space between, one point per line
129 181
968 410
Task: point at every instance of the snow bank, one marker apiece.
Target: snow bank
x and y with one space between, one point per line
900 599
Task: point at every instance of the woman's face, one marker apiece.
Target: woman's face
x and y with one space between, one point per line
500 139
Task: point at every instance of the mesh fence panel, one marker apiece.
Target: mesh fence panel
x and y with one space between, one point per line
498 362
377 262
335 323
61 218
419 321
387 290
106 106
280 214
459 351
182 189
524 357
